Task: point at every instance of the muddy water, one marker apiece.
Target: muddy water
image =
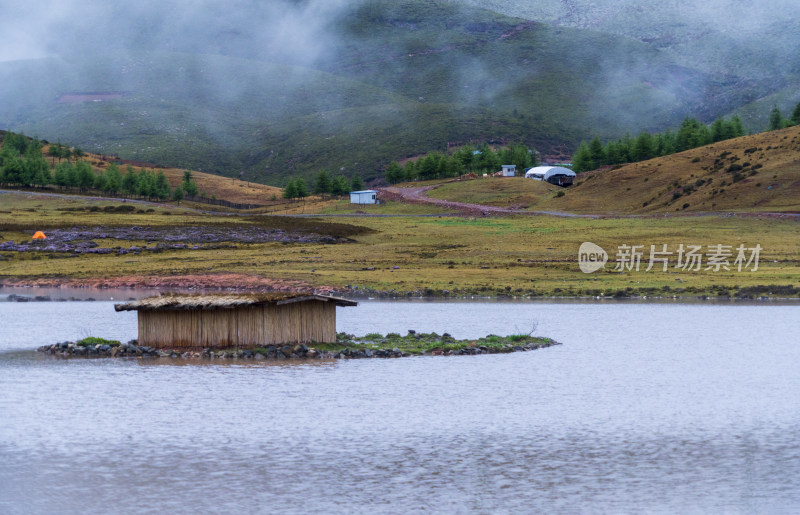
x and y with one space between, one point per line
645 408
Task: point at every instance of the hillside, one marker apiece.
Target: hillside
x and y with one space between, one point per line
366 84
758 173
718 35
210 185
714 37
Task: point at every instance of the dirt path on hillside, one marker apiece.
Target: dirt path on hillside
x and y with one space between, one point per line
418 196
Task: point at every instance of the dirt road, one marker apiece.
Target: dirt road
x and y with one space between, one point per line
418 196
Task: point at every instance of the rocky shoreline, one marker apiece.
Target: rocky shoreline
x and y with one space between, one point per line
446 347
238 282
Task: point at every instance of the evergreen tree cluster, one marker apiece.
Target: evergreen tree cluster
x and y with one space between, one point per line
691 134
777 121
466 159
22 163
324 184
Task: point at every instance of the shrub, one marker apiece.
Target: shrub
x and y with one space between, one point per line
93 340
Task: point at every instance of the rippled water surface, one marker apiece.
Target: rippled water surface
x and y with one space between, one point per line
645 408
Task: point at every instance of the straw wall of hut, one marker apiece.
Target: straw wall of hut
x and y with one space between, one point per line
202 322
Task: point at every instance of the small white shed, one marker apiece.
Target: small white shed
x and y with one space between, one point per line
364 197
509 170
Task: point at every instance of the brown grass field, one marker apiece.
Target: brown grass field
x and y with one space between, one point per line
758 174
233 190
438 254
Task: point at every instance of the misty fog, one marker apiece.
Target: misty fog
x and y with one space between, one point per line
267 75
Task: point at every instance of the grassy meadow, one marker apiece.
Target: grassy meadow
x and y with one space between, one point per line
430 255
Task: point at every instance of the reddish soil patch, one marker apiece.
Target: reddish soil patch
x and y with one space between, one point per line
223 281
418 196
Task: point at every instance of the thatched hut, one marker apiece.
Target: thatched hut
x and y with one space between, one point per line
235 320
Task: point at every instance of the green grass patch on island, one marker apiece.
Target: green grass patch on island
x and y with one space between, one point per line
91 341
432 343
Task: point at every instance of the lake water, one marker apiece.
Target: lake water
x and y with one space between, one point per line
647 407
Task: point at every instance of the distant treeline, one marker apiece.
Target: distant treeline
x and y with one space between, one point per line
777 121
324 184
23 163
466 159
691 134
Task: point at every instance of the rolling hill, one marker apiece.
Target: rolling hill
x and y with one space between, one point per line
756 39
758 174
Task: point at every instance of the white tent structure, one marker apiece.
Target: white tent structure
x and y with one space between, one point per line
557 175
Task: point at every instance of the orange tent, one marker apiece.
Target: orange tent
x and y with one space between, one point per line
39 235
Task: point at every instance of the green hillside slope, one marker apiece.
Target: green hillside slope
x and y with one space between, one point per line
398 79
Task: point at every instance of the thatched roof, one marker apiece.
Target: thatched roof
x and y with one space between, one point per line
177 301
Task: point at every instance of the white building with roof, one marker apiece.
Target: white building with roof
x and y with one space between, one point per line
364 197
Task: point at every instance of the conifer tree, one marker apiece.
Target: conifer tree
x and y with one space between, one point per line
100 181
644 148
582 160
597 153
189 186
130 182
84 175
301 187
65 175
37 171
775 119
162 189
795 119
290 191
737 127
394 173
14 171
113 179
410 170
323 183
340 186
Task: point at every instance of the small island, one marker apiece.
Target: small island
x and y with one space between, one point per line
346 346
270 325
